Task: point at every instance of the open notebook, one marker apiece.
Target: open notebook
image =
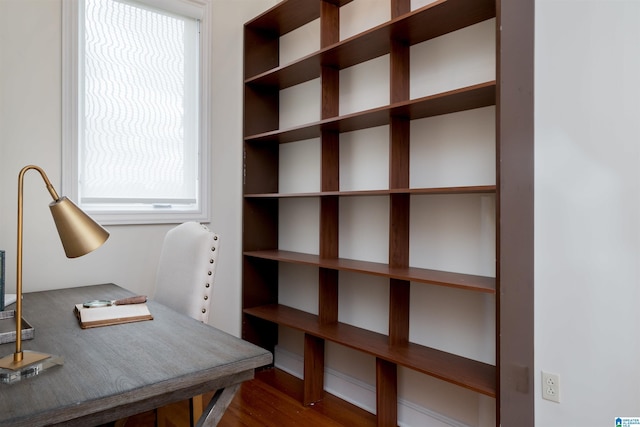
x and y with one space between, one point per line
111 315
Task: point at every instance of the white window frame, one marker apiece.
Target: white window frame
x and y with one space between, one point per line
198 9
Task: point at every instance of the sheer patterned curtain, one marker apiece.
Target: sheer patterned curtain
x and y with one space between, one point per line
139 109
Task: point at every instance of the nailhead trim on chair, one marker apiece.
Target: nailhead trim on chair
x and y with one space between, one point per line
205 302
207 284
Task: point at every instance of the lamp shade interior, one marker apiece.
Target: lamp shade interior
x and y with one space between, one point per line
79 233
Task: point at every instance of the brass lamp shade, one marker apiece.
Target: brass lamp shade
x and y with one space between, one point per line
79 233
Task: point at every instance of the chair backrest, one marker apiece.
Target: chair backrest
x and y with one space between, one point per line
187 268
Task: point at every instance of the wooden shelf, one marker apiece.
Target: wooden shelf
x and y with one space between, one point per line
472 189
468 98
423 24
421 275
467 373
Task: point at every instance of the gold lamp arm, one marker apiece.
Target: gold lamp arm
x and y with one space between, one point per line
79 235
17 356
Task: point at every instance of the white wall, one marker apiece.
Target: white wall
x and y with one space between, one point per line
587 237
30 132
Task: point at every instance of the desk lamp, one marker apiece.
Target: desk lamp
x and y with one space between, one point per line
79 235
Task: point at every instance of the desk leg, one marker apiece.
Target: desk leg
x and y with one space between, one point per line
215 409
195 408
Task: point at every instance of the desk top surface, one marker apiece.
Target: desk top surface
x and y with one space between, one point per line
106 368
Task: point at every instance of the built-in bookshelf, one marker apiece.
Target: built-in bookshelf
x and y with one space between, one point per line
264 78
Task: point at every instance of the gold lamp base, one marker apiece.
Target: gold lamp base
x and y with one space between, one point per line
28 357
32 364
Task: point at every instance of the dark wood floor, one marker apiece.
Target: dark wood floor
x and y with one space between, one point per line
272 399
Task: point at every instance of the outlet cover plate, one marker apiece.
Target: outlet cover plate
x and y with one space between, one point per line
551 387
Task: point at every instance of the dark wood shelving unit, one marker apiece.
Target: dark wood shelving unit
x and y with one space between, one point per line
264 78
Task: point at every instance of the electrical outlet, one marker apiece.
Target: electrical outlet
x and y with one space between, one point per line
551 387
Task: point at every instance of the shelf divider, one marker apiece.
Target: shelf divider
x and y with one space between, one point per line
313 369
386 393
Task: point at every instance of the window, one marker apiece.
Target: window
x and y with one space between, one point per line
135 129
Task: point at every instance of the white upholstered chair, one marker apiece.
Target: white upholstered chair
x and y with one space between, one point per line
184 282
186 270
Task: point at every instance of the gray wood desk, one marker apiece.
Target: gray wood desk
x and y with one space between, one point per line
115 371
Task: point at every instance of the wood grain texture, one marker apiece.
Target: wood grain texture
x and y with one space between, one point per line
387 393
399 208
329 23
423 24
328 290
330 161
399 152
329 227
272 399
467 373
313 369
468 98
400 7
289 15
106 377
435 277
477 189
399 309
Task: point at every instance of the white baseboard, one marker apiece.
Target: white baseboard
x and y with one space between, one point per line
363 395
